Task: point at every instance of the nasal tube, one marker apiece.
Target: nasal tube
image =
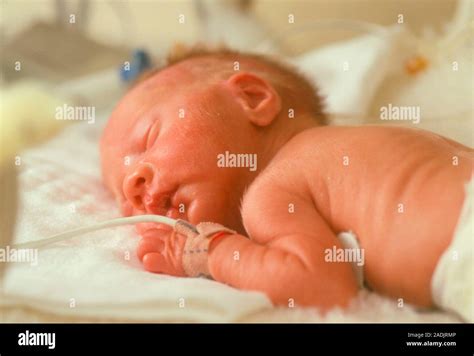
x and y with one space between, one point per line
104 225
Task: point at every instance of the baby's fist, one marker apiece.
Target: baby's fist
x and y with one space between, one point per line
161 252
181 252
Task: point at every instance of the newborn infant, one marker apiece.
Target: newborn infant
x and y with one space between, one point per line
175 146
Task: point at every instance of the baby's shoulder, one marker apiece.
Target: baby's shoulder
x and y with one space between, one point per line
288 168
321 150
323 143
318 142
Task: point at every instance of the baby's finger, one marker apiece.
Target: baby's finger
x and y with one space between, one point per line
149 245
155 262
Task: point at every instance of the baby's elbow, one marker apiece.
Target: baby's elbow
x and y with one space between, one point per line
306 289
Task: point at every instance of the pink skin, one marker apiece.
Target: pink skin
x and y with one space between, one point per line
173 161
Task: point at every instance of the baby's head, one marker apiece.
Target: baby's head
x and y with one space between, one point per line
160 150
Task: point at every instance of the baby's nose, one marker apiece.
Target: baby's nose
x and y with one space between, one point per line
136 184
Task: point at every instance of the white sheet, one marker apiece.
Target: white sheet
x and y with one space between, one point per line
349 74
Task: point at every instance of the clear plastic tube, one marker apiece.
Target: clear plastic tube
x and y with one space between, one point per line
103 225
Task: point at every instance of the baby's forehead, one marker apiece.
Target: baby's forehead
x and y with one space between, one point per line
209 67
152 90
172 80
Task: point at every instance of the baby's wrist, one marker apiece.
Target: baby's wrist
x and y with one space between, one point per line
198 246
216 239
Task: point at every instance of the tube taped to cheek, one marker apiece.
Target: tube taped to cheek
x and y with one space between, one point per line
196 248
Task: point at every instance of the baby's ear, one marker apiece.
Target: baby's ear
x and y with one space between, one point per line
259 100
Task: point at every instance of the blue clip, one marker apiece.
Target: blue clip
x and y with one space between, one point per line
139 63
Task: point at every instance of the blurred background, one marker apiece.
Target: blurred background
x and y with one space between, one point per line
76 48
153 23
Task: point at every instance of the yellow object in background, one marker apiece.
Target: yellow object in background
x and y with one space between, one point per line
27 117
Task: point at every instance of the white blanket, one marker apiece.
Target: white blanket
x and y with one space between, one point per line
99 276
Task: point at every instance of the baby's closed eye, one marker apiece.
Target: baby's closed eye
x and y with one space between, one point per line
152 134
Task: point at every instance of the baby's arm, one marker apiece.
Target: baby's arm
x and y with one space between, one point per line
283 259
285 256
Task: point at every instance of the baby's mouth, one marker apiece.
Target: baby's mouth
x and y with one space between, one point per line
161 205
158 205
153 227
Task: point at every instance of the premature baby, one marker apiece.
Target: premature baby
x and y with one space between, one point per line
239 140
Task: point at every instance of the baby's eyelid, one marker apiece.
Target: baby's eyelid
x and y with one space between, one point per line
151 135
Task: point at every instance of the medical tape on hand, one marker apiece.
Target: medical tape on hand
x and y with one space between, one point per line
196 249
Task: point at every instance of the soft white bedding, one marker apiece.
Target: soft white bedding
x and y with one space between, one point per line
99 278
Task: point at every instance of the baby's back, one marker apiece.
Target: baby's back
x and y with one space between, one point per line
400 190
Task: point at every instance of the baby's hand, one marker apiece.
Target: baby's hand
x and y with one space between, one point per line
179 252
161 251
